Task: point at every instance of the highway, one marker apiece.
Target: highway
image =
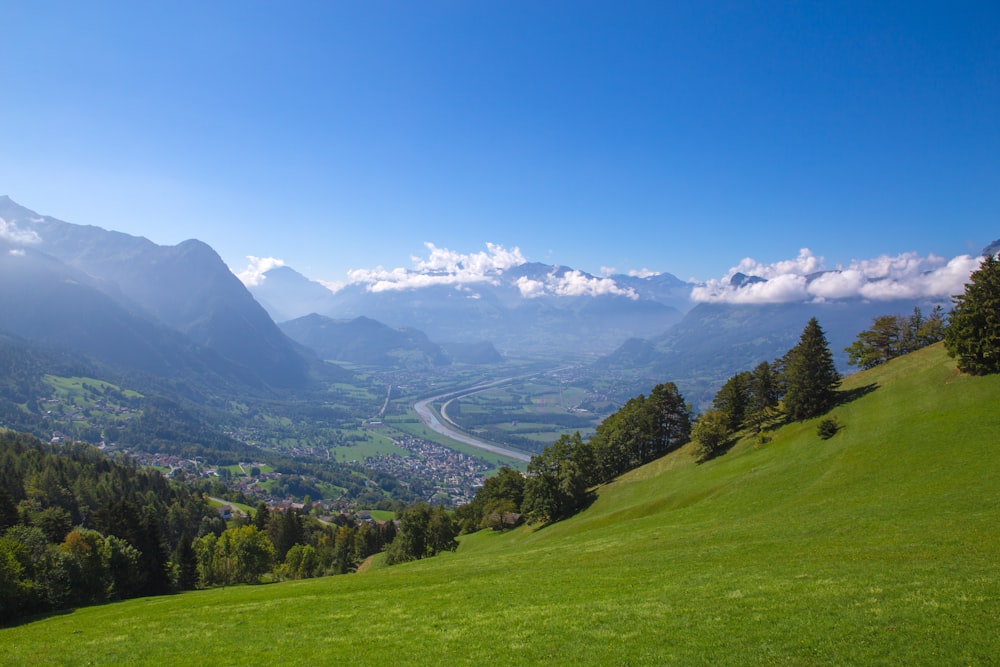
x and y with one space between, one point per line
430 419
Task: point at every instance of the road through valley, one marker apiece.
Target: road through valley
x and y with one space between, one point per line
430 419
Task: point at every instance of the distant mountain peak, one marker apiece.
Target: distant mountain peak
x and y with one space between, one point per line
742 279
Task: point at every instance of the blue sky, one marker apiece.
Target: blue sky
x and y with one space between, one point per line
678 137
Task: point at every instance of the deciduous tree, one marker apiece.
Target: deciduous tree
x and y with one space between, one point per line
710 433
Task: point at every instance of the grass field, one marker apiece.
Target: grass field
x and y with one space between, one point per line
878 546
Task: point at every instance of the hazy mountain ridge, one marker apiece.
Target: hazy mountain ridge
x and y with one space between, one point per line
495 310
186 288
127 289
365 341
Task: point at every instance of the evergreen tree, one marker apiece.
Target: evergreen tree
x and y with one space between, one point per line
261 515
556 486
973 333
732 400
187 563
765 394
810 376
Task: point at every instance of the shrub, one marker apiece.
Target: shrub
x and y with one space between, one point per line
827 428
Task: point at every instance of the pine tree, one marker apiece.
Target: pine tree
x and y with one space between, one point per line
765 394
733 399
973 333
810 376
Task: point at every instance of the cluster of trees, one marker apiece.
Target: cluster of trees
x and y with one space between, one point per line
424 531
496 505
77 527
973 334
286 544
800 385
892 336
559 480
803 383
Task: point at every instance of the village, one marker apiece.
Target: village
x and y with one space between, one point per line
436 473
454 475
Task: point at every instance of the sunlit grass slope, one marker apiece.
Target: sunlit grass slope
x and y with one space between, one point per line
878 546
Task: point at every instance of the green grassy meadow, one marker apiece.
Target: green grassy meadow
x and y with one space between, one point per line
880 545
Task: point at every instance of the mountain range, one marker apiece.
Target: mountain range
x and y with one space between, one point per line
179 311
167 310
495 310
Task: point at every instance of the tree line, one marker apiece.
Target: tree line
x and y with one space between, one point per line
559 481
799 385
77 527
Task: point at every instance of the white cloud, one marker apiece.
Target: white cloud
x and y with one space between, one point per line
530 288
497 258
643 273
16 252
253 275
572 283
577 283
10 232
441 267
904 276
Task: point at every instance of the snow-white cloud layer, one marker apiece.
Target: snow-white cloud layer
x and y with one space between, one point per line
441 267
572 283
447 267
905 276
253 275
11 233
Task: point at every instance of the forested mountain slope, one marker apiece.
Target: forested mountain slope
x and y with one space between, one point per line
877 546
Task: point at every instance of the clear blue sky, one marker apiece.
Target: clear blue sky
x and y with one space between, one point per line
672 136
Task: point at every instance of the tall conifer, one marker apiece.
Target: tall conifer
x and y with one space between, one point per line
810 375
973 333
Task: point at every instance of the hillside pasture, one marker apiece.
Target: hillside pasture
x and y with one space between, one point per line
877 546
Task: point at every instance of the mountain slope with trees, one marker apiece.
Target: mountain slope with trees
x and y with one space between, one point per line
186 289
876 546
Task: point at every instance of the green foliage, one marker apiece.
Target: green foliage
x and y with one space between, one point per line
710 433
892 336
499 496
766 391
556 486
732 401
878 548
827 428
973 334
86 529
644 429
424 531
811 380
240 555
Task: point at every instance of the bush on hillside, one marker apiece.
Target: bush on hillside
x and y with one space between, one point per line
827 428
